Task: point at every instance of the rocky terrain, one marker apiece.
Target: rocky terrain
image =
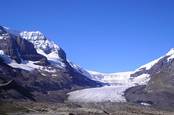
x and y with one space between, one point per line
30 108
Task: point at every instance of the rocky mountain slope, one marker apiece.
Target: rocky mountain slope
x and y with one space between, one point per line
38 68
159 91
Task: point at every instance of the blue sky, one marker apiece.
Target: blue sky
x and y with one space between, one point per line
101 35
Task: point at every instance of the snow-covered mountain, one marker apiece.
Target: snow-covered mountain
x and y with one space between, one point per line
37 65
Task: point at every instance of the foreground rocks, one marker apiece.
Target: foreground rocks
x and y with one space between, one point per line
30 108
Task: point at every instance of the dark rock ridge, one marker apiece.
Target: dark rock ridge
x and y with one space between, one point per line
160 89
49 83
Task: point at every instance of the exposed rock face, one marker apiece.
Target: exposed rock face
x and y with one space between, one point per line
27 50
18 48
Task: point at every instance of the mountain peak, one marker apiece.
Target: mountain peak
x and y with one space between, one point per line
43 45
33 35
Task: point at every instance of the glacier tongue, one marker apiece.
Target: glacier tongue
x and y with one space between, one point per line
119 82
101 94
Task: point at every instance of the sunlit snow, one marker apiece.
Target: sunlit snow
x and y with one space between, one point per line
29 65
170 54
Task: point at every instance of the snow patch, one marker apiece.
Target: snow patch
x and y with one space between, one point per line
4 36
141 80
1 37
2 52
29 65
145 104
149 65
52 58
49 70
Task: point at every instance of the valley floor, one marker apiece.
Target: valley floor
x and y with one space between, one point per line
108 108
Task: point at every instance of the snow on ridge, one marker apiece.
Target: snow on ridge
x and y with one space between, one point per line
170 54
149 65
